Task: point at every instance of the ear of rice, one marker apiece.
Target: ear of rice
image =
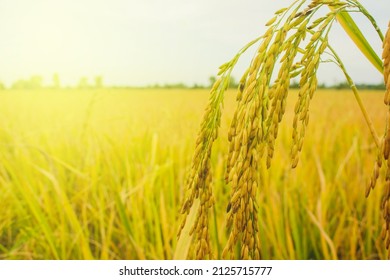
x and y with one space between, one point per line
386 64
386 139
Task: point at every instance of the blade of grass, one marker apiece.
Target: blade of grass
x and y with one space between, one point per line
80 232
324 236
126 223
31 200
183 244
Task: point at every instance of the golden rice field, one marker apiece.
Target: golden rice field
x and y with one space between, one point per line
100 174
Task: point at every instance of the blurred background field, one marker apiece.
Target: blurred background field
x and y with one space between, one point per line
100 174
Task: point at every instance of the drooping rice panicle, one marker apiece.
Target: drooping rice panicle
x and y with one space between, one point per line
199 180
386 149
278 98
242 164
247 142
308 85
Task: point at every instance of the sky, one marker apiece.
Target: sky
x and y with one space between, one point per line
133 42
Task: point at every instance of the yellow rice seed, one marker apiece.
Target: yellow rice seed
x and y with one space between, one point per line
269 161
242 204
387 97
301 21
253 191
257 240
368 189
386 50
387 76
271 21
278 12
387 190
237 145
244 137
239 164
246 163
204 246
225 253
245 174
294 162
383 232
235 180
315 36
254 185
239 219
247 236
236 196
229 207
376 171
245 187
205 233
268 64
388 208
231 172
300 143
232 160
257 255
251 82
274 48
250 205
245 253
250 226
251 242
386 147
307 120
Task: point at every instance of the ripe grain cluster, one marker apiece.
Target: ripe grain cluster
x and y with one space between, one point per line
298 41
384 150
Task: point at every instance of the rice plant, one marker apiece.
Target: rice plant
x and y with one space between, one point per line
297 38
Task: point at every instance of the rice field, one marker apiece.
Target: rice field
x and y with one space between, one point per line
100 174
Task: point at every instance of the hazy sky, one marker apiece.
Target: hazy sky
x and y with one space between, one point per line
138 42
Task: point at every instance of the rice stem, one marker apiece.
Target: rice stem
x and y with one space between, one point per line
357 97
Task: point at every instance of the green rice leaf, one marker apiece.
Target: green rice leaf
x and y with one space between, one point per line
360 41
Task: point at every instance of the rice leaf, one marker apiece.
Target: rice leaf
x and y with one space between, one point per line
358 38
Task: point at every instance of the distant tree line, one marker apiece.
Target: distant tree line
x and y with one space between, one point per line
36 82
344 85
295 85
